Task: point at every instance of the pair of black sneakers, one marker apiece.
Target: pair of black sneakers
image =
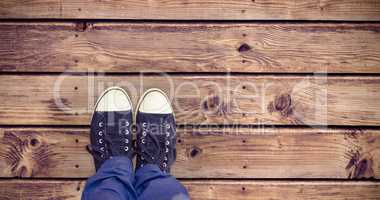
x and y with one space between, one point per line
112 129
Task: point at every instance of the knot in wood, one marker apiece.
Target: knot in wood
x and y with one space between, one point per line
244 47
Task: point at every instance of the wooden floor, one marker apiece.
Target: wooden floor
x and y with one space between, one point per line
274 99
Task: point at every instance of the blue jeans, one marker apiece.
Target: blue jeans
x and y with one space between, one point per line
115 180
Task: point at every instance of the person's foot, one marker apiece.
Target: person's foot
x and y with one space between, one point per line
156 131
111 126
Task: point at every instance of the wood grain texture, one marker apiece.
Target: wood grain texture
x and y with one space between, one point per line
207 153
207 190
204 47
191 9
270 100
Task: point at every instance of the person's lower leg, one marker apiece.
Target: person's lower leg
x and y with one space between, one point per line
156 148
114 181
111 148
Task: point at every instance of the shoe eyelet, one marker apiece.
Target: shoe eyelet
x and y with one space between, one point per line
166 150
100 133
167 126
102 155
167 143
100 124
126 141
126 148
100 141
167 134
143 141
144 133
144 124
164 165
101 148
126 123
142 158
126 132
166 158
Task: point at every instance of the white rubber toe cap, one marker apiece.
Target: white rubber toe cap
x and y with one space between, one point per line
114 99
155 101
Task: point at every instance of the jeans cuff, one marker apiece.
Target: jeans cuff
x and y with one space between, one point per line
118 162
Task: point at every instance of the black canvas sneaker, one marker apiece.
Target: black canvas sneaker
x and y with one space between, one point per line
111 126
156 131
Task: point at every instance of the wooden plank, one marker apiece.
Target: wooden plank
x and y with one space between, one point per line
207 153
204 47
261 99
207 190
183 9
